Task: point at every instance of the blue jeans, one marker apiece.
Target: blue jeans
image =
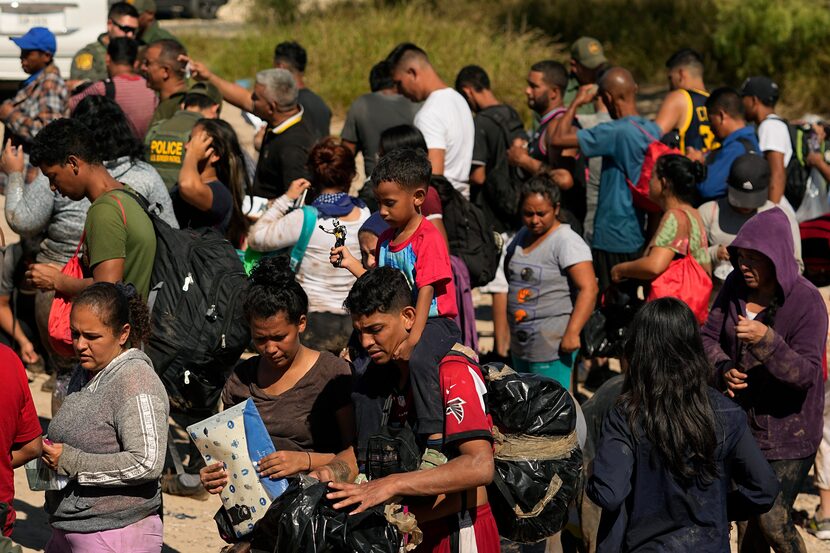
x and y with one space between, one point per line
559 370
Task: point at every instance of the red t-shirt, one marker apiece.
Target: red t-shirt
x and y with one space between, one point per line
465 411
425 261
18 423
432 204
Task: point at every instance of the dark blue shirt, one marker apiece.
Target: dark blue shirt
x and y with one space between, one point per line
646 509
720 161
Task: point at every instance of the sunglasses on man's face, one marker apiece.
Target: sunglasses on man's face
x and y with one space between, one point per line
126 29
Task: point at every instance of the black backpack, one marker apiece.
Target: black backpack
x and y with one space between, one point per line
797 170
502 183
470 236
198 330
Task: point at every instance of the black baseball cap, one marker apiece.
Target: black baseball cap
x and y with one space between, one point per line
763 88
748 182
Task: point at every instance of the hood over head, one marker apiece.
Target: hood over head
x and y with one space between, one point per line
769 233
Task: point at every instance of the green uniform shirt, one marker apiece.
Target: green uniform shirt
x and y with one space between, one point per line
165 144
154 32
570 93
90 63
168 108
108 237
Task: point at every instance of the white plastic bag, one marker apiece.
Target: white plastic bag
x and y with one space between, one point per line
814 203
42 478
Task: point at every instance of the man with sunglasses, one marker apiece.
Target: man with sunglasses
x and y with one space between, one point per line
42 97
90 63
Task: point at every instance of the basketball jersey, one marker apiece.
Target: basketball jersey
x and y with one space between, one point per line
695 131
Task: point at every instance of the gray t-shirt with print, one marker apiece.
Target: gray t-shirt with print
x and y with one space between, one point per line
539 300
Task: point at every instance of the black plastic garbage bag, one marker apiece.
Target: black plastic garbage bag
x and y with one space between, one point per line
538 460
604 333
302 520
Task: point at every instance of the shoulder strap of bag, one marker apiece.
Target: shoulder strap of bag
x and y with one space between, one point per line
109 89
642 130
309 224
700 231
387 409
123 213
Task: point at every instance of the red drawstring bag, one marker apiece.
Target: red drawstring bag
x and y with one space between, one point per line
685 280
639 191
60 335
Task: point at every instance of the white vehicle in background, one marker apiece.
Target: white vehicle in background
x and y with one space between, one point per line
75 23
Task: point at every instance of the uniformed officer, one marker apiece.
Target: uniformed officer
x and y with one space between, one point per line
90 63
149 30
165 141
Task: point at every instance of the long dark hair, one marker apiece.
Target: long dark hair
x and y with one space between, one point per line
231 171
111 130
665 394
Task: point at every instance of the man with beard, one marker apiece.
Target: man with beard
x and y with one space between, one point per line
546 84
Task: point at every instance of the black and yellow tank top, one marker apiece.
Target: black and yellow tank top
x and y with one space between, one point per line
695 131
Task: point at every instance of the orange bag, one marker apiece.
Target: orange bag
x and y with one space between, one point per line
685 280
60 335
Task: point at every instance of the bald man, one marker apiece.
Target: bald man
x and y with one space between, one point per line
622 142
445 118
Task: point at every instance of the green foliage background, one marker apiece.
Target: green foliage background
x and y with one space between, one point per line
785 39
346 40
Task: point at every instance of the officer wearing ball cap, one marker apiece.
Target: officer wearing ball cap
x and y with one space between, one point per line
165 141
587 63
148 28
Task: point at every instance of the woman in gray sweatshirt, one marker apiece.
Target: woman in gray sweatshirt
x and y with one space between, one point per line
110 436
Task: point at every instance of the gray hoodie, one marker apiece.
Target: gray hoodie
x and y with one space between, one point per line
33 208
114 435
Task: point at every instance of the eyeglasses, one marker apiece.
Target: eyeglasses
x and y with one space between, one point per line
126 29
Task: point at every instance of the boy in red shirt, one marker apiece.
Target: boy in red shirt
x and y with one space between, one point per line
412 244
19 430
457 509
415 247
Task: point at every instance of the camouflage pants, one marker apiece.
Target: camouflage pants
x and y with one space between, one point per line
776 529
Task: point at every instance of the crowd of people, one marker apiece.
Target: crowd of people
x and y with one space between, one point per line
359 296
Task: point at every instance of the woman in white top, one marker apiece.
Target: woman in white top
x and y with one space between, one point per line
332 169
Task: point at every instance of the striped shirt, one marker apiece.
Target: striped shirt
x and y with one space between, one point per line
131 93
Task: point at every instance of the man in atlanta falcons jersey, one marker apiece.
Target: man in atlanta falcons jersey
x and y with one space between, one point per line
450 499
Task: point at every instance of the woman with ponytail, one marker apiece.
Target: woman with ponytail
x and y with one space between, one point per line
673 187
284 226
676 461
110 435
213 182
676 263
303 395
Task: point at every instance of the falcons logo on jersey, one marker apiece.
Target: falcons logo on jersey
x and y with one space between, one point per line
455 407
